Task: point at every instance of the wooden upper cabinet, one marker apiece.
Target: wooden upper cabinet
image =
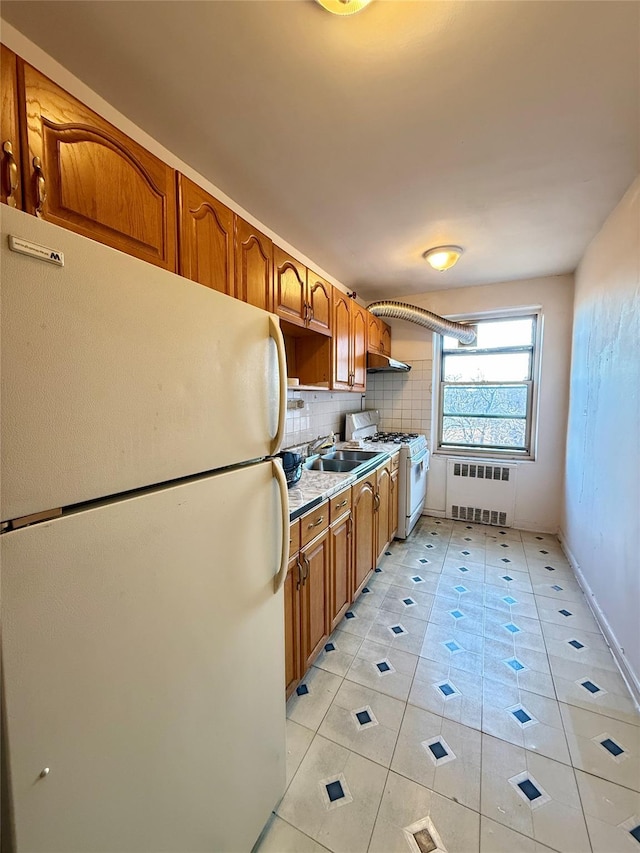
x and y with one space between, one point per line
320 303
290 287
385 338
254 266
358 346
373 333
11 179
341 343
206 229
89 177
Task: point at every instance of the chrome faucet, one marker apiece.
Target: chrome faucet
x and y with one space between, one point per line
320 442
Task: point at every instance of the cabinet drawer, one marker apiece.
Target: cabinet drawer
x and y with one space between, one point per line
395 462
313 523
339 504
294 537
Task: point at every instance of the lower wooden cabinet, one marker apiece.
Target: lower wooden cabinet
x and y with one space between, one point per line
340 568
292 626
314 594
306 597
393 504
364 532
340 542
382 509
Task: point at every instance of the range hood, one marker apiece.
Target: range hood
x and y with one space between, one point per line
377 363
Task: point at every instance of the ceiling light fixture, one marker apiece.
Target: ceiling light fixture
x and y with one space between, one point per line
343 7
442 258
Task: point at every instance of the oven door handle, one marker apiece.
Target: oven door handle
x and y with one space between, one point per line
416 459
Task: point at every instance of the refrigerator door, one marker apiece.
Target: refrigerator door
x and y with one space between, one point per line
144 666
117 374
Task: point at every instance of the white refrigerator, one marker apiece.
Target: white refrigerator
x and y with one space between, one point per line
144 543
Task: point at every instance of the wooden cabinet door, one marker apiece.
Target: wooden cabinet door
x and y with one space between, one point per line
373 333
206 238
11 179
358 347
385 338
340 563
254 266
290 288
320 303
314 598
393 505
341 343
383 515
363 532
91 178
292 625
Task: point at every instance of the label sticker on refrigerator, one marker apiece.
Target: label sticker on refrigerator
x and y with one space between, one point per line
25 247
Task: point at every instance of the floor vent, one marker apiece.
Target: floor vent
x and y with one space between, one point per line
481 472
482 494
480 516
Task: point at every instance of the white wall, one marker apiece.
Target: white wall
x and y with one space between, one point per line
539 493
601 523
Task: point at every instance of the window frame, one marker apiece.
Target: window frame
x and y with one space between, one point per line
533 389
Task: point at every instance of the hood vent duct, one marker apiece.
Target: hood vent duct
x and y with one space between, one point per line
401 311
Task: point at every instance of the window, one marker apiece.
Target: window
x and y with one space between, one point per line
486 388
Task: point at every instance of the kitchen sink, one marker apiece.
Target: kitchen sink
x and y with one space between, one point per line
351 455
327 464
345 461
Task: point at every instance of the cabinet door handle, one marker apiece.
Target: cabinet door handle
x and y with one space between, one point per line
376 505
310 312
12 173
350 526
41 187
342 503
315 523
306 569
300 576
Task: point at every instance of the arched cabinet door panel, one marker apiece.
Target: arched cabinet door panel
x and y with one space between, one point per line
254 266
341 342
320 303
87 176
290 288
206 238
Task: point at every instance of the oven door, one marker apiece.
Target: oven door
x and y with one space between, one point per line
417 467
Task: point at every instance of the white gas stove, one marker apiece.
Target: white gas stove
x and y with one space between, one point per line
414 462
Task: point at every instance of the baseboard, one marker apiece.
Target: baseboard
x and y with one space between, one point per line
436 513
631 679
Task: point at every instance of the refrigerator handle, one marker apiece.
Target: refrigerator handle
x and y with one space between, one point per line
276 334
278 473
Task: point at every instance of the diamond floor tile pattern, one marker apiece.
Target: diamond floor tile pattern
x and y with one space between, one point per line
468 702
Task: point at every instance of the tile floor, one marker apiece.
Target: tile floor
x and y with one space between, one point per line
469 704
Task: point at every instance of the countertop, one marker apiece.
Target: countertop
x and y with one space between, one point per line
315 486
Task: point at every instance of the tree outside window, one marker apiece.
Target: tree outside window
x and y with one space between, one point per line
486 388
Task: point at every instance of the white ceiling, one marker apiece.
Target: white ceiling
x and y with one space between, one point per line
510 128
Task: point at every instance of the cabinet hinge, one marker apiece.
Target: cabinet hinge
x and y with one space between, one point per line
34 518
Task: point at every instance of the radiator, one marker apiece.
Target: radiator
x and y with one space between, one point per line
481 492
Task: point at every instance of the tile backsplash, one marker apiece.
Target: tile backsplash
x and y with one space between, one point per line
323 412
403 399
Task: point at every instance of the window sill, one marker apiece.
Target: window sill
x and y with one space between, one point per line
493 457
